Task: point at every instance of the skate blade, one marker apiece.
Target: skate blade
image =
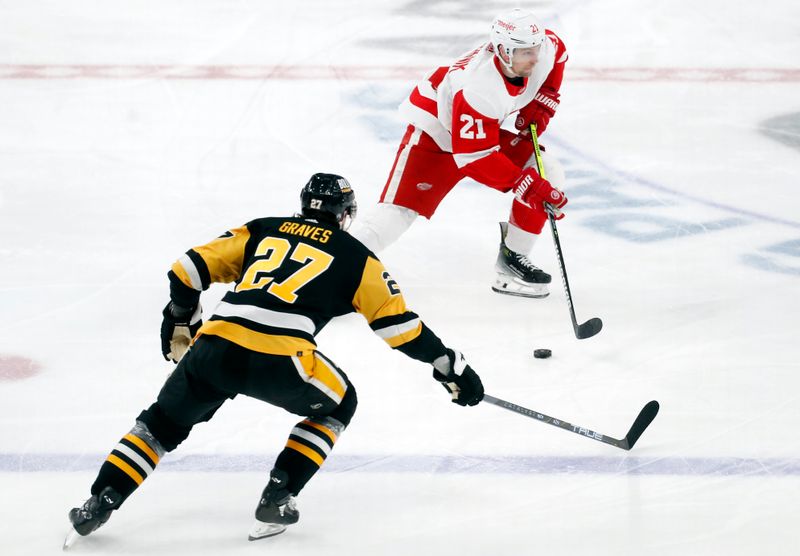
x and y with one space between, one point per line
511 286
70 539
521 294
261 530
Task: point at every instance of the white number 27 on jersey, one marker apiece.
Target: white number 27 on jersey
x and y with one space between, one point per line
467 131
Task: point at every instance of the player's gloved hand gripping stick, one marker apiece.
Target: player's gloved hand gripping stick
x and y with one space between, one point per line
458 378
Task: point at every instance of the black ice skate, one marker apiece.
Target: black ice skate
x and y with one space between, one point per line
276 509
516 275
94 513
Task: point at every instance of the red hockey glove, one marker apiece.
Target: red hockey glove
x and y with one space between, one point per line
540 115
532 189
539 111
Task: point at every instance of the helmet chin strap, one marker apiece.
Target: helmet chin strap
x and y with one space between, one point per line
347 220
510 53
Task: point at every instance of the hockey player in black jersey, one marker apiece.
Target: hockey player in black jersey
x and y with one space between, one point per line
292 276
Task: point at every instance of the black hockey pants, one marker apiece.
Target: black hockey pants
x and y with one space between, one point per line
215 370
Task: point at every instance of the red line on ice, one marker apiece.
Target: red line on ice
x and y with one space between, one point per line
373 73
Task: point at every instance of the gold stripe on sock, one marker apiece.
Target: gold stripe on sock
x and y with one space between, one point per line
130 471
306 451
322 428
143 446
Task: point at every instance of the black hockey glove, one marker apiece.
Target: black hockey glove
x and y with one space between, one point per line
179 326
458 378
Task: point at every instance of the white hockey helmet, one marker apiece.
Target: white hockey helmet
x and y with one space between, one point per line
514 29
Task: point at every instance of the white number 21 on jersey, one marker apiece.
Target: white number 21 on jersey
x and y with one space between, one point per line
467 131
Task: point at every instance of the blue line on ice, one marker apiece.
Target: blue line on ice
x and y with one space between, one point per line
444 464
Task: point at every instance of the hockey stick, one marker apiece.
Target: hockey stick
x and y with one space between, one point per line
593 325
646 416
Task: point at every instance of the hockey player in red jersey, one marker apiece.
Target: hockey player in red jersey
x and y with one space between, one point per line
292 275
455 116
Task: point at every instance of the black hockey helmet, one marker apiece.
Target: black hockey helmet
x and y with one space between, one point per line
329 197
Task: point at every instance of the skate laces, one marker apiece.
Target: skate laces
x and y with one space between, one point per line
92 508
282 500
289 505
525 262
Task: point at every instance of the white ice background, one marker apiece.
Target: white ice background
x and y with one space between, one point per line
131 131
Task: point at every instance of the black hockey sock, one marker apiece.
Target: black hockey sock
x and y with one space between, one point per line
309 444
130 462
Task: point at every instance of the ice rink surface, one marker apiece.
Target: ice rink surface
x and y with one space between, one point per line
132 131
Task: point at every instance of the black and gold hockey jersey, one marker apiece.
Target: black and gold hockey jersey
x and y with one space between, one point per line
292 276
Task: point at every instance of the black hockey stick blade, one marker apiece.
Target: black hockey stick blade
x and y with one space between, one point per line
646 416
589 328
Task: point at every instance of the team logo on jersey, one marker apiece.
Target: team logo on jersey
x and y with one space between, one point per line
422 186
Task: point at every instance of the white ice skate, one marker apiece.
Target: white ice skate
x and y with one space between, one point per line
516 274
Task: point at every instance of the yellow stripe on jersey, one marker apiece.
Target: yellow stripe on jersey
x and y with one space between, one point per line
127 469
375 298
224 256
306 451
143 446
185 275
404 337
257 341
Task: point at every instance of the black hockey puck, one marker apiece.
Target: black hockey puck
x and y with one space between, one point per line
542 353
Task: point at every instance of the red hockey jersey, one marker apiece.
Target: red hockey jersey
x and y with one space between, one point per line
463 106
